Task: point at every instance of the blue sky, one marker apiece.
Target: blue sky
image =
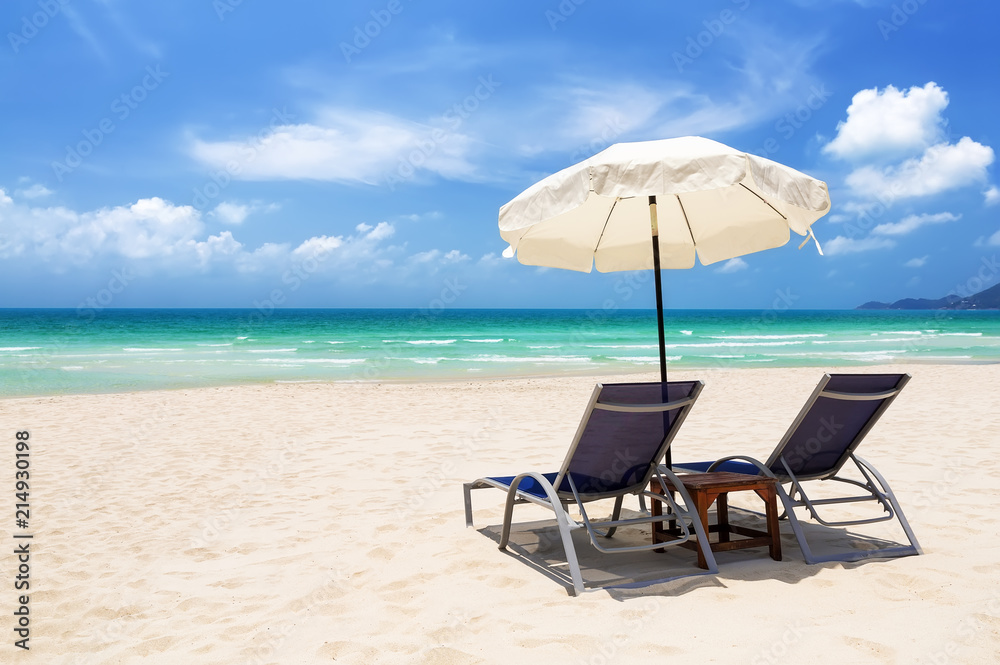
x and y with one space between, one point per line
233 153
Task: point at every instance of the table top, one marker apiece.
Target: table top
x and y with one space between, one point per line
719 480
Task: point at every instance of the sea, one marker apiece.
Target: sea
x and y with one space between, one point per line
66 351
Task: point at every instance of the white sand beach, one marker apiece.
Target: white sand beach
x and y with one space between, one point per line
314 523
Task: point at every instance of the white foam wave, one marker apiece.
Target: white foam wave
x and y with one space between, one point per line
796 336
538 359
735 345
291 350
622 346
138 349
19 348
430 341
863 341
484 341
314 361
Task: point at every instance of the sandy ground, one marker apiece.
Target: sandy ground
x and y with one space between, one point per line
318 523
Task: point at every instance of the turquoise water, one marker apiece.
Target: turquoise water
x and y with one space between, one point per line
44 352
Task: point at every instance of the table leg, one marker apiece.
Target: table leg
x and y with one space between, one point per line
770 497
656 509
772 523
722 512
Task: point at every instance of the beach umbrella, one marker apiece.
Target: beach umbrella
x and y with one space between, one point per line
658 204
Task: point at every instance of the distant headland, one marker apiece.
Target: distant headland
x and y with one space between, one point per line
988 299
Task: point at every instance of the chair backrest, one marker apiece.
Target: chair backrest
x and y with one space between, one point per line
623 435
833 422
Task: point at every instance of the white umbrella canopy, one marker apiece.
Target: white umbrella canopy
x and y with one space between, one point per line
711 201
658 204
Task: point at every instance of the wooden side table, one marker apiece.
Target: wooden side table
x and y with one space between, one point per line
708 488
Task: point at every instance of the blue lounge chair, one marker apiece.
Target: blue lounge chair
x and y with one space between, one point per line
625 431
831 425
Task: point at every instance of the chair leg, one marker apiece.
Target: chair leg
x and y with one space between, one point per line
615 514
895 505
701 534
562 520
467 489
906 550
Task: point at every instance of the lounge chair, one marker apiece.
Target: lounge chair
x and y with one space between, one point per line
823 437
625 431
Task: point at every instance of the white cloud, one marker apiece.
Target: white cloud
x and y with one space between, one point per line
942 167
231 213
842 245
917 263
157 236
890 123
437 258
492 260
343 145
912 223
318 245
991 196
733 265
992 241
36 191
455 256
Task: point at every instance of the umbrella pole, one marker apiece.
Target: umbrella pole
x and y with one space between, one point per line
659 287
654 228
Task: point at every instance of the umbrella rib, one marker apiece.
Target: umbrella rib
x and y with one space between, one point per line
685 216
764 200
605 227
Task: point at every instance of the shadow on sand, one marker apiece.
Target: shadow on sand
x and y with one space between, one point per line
641 574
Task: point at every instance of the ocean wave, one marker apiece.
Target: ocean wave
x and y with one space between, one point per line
424 341
536 359
975 334
313 361
650 360
862 341
19 348
139 349
484 341
225 344
622 346
289 350
686 332
838 354
795 336
736 345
